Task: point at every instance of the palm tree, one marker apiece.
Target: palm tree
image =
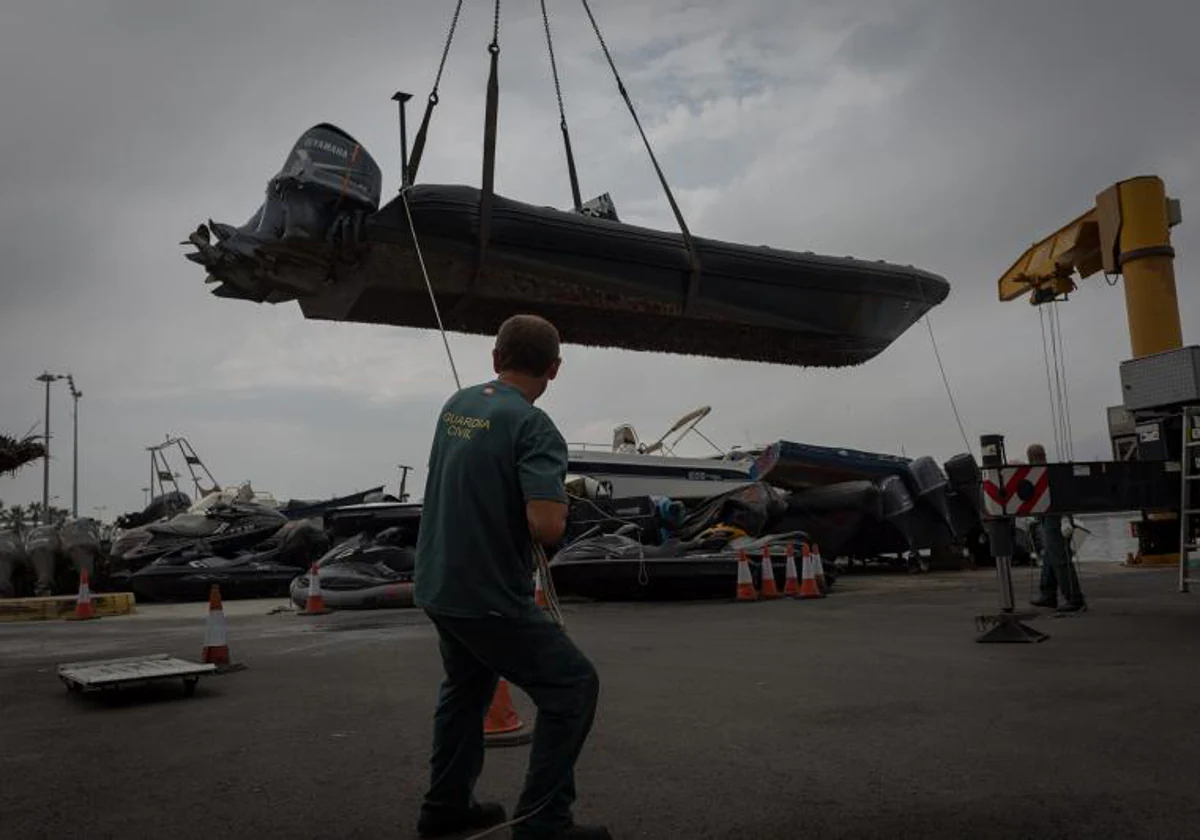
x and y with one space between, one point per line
14 518
15 453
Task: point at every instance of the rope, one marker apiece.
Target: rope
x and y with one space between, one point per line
1059 383
429 285
693 256
1050 388
945 379
562 113
1062 355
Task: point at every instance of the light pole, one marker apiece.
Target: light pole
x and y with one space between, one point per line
47 378
75 395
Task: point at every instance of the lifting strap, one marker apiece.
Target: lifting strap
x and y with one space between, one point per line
489 159
562 114
419 143
693 285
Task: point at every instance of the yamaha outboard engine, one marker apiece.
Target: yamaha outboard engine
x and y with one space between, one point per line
327 176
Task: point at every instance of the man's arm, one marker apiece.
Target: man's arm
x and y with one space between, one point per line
547 520
542 471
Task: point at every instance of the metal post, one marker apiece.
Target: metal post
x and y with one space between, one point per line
46 377
75 395
1007 625
404 469
401 98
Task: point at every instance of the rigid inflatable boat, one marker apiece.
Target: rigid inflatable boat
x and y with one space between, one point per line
617 567
322 239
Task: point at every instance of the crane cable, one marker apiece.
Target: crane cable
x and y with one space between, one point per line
1054 356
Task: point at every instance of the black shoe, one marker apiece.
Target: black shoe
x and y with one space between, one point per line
1070 608
480 816
1049 603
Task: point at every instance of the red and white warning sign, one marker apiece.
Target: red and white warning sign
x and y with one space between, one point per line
1016 491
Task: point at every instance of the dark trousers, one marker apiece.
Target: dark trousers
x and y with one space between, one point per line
1058 573
535 655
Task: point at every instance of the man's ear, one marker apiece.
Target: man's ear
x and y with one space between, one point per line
553 372
495 360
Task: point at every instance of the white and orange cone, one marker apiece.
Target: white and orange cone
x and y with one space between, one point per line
84 609
503 726
791 586
808 584
745 583
216 645
819 569
315 603
769 587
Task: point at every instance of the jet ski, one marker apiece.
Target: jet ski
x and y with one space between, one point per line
187 572
320 238
364 572
161 507
617 566
225 527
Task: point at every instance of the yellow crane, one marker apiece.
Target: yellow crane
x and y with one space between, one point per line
1126 232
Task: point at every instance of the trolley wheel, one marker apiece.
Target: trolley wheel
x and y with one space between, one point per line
189 686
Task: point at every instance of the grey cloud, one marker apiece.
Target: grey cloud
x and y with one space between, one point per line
944 134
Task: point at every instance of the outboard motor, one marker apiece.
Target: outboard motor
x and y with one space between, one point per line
966 479
930 483
12 555
81 544
965 493
898 505
327 176
42 545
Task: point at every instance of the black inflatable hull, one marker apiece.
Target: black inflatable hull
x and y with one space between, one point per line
602 282
176 583
693 577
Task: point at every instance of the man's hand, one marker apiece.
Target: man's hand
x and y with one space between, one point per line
547 520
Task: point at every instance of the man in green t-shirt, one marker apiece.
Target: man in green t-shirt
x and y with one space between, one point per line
496 482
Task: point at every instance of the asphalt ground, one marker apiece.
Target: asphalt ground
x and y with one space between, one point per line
872 713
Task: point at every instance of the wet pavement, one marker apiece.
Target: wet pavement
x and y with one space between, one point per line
871 713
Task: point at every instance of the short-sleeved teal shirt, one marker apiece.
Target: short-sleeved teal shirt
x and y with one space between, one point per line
492 452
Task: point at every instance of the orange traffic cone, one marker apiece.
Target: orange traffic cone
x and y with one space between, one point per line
83 601
808 586
819 569
769 588
315 603
216 647
745 583
791 586
503 726
539 594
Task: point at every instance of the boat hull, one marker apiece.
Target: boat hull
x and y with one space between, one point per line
601 281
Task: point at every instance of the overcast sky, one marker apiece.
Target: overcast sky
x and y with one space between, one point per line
944 133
